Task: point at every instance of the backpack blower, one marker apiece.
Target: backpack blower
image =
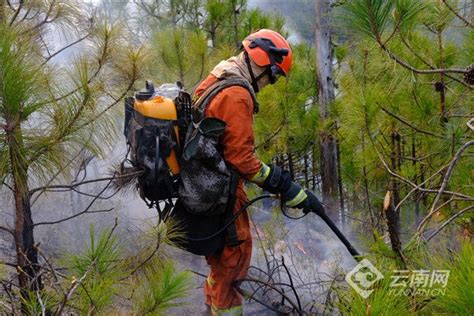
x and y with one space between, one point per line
158 126
155 127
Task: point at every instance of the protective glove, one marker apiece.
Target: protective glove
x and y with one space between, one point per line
312 204
276 180
294 196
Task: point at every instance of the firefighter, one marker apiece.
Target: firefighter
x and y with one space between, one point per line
266 55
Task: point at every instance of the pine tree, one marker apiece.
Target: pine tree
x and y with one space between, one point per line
398 100
48 114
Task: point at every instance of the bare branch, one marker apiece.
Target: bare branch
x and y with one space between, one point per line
65 48
417 187
75 185
17 11
10 5
10 297
9 264
149 10
404 121
8 230
407 181
423 60
53 272
274 288
43 189
292 286
8 186
46 19
447 176
448 221
406 65
86 210
74 216
25 16
466 22
109 106
251 296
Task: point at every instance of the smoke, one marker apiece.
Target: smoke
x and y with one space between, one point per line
299 16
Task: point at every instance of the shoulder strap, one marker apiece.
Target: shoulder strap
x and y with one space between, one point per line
220 85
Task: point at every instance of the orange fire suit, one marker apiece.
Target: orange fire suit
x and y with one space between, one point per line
234 106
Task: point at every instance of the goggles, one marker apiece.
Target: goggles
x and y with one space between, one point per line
275 55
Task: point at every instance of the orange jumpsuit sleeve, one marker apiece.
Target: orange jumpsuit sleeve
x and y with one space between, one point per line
234 106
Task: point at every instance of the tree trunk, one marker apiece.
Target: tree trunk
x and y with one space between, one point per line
213 33
393 224
306 176
392 197
291 167
415 180
328 146
395 164
340 186
366 187
313 168
26 252
2 11
440 86
235 24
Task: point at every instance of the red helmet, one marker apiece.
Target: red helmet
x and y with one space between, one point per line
269 48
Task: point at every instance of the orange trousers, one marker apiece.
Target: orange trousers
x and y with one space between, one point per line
231 265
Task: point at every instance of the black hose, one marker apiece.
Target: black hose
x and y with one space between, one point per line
339 235
323 216
237 214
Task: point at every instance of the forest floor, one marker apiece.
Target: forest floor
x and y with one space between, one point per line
194 303
311 252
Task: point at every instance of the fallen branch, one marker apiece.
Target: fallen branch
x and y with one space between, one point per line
292 286
251 296
274 288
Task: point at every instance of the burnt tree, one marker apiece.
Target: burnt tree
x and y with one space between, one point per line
324 73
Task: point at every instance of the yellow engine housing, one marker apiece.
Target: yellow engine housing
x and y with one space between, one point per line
161 108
